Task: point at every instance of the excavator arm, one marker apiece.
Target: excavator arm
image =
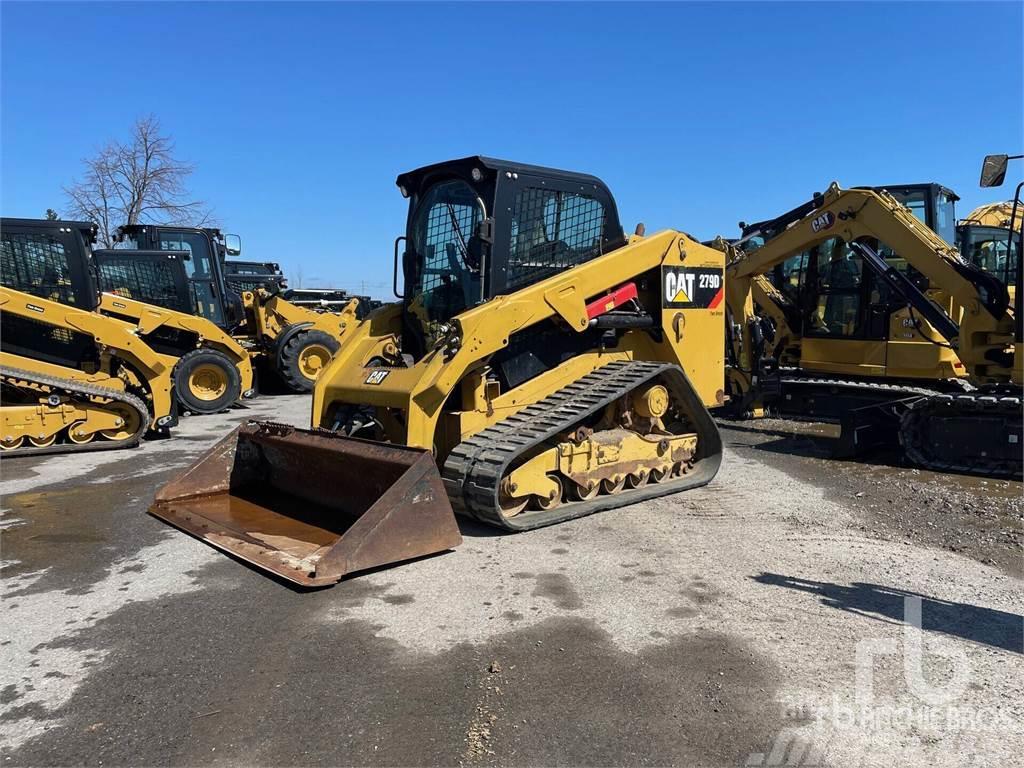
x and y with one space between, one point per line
984 331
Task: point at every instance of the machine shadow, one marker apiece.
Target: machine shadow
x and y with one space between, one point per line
810 446
473 529
987 626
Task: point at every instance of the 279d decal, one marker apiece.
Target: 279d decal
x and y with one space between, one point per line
692 287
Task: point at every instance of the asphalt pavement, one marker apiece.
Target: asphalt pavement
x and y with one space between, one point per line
774 615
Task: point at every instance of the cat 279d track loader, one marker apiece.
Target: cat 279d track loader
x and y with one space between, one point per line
56 262
541 366
71 379
887 329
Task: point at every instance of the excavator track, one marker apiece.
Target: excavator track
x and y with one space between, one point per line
82 391
938 433
474 470
996 416
871 388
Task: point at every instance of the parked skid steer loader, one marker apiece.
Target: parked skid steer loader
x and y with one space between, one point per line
73 380
540 367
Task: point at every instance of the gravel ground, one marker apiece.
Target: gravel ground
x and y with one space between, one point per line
797 610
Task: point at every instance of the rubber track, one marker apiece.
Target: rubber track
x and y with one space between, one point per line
474 469
982 406
76 388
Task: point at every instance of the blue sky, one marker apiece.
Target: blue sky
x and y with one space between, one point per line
299 117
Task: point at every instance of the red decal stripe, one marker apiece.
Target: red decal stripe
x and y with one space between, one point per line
718 298
610 301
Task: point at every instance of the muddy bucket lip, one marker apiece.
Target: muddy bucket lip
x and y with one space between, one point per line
409 519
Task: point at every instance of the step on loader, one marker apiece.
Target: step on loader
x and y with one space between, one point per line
540 366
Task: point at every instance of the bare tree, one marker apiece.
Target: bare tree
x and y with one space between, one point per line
138 182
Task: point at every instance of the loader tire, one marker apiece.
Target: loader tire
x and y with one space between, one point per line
304 357
206 381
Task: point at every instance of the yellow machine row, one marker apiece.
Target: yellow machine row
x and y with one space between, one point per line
290 342
54 260
541 365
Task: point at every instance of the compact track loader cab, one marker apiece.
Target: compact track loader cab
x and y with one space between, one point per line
874 317
71 379
294 342
540 366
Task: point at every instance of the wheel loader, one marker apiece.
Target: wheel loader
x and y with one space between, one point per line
212 371
884 320
540 366
983 239
294 342
71 379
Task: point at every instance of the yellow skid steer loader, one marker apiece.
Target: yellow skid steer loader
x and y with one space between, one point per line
541 366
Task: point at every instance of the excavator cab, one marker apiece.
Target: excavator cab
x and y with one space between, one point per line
934 205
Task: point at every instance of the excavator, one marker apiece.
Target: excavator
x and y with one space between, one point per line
292 341
540 366
71 379
57 262
886 329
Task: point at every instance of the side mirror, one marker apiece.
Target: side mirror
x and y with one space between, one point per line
993 170
233 245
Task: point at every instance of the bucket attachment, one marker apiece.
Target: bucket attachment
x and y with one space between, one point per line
311 506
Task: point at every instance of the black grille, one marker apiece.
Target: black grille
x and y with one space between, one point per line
552 231
240 285
37 264
147 280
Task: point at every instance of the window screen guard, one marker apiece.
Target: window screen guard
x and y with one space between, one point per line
552 230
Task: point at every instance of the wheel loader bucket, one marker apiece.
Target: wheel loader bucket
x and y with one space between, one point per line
311 506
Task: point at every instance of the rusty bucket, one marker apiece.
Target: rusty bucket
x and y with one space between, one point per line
311 506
